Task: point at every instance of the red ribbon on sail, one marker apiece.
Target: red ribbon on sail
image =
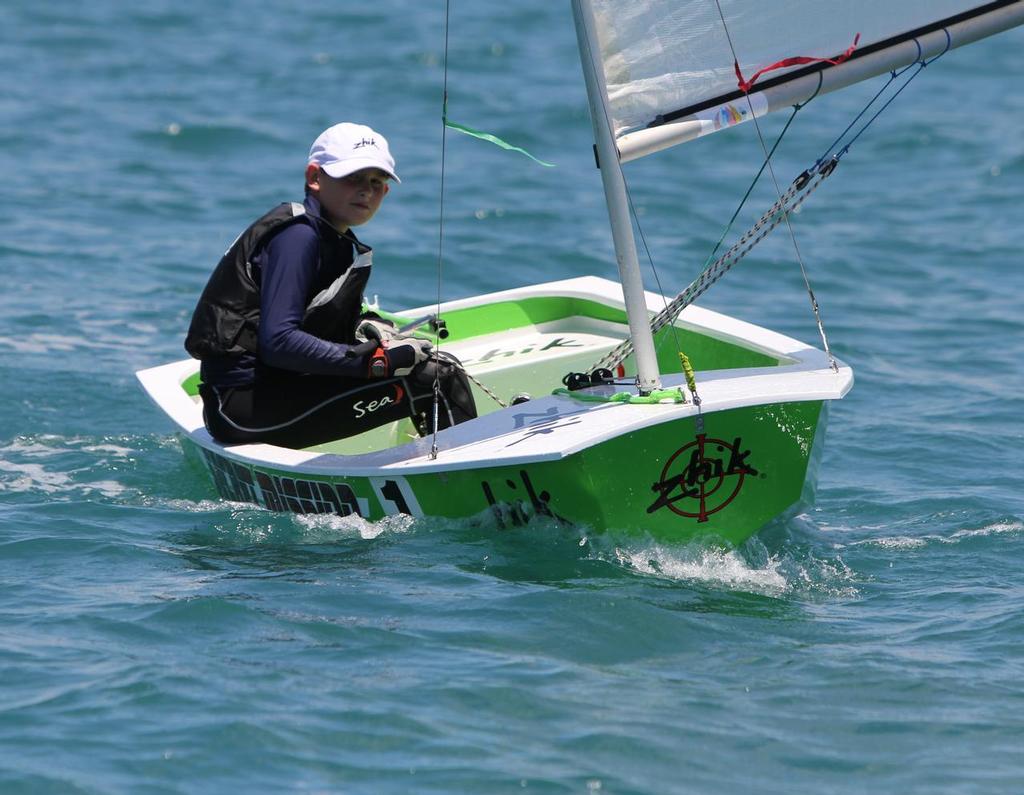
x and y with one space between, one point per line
799 60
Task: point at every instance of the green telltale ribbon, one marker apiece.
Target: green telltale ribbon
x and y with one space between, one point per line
494 139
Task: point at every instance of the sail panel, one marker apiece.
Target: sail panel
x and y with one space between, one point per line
660 56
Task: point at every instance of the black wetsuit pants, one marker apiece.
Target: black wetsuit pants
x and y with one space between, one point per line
301 410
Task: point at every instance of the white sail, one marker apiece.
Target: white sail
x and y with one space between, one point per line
671 63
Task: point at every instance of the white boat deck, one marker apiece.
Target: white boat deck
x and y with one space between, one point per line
547 427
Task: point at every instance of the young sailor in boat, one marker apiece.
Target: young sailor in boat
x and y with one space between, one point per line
289 356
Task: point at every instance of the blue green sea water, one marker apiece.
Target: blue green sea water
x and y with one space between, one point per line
157 639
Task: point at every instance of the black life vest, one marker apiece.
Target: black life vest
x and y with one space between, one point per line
226 319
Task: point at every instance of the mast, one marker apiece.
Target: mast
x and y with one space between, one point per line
648 378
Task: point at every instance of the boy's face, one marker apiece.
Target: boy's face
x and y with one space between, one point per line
351 200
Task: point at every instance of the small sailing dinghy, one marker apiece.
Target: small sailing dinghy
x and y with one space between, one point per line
713 443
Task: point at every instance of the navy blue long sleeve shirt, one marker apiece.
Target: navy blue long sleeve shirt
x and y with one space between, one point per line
287 270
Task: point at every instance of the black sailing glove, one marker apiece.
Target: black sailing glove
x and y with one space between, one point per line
399 357
375 328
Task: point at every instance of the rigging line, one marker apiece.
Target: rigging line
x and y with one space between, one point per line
878 113
917 65
654 270
440 228
768 221
795 195
757 177
483 387
728 227
920 64
668 315
672 311
778 191
626 345
893 76
710 259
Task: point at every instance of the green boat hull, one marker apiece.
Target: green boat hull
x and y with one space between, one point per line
660 466
672 482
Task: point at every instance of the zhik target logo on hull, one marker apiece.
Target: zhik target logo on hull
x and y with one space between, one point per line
702 477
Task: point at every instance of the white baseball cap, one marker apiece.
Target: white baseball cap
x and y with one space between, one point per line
346 148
